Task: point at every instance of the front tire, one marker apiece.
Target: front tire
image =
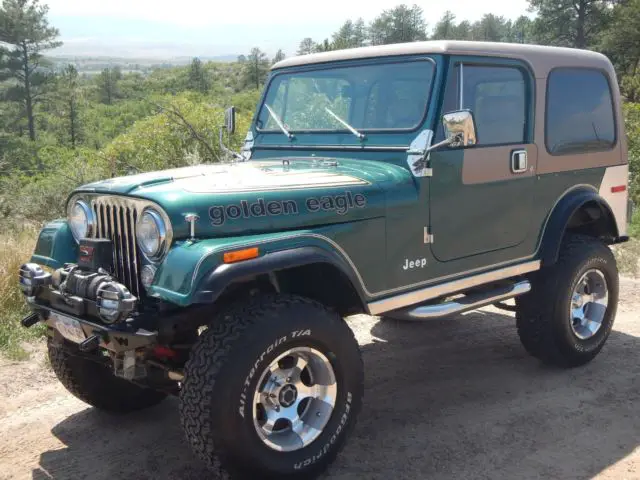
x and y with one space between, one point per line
272 388
567 317
95 384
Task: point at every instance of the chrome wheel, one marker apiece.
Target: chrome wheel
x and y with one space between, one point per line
294 399
588 304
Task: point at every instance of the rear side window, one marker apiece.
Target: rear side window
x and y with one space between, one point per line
580 115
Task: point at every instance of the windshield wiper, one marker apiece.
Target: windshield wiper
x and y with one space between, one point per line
361 136
279 122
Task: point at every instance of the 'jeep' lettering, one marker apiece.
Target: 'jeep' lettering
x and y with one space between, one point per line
412 264
340 204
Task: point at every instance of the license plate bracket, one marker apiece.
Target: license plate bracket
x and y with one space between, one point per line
69 328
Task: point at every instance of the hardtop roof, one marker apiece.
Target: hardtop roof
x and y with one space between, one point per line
541 58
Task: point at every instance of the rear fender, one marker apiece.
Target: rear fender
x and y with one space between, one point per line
581 198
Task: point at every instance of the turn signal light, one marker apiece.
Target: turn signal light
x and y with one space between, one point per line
240 255
618 189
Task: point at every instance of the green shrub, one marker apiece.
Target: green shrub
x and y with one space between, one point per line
632 126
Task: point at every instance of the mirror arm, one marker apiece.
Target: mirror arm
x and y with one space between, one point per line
226 149
443 143
426 151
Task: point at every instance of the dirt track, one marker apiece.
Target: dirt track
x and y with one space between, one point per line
456 399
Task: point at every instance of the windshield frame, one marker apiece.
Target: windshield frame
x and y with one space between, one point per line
347 64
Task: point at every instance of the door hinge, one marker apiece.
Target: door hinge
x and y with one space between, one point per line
428 237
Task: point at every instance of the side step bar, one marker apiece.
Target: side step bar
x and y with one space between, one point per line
464 304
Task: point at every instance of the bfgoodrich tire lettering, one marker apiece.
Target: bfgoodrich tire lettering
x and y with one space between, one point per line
222 375
544 317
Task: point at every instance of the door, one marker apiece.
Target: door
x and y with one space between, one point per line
481 195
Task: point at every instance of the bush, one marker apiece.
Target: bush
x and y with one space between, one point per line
35 196
632 126
183 132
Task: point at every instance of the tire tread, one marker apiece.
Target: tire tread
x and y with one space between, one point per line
208 358
96 385
535 314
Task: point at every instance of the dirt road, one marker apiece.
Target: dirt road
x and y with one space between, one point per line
456 399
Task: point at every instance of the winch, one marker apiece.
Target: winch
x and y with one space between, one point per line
87 287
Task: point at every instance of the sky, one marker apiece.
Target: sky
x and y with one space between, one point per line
161 28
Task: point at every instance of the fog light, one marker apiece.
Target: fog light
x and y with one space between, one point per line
147 275
114 302
32 278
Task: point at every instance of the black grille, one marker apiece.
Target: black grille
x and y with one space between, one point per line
116 220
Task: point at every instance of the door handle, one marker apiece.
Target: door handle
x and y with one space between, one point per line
519 162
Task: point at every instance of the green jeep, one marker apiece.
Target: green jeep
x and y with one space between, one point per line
412 181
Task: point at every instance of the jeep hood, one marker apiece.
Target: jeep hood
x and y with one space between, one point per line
261 196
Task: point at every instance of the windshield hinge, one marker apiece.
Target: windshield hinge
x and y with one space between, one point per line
428 236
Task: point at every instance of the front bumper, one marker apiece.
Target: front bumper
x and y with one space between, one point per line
115 338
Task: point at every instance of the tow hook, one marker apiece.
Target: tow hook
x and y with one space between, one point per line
90 344
30 320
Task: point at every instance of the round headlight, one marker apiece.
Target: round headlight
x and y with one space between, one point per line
81 220
151 233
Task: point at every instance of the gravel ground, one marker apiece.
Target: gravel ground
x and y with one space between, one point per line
452 399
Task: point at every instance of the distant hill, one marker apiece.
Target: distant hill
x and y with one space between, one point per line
93 64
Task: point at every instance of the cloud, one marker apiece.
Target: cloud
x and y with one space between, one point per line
209 27
274 12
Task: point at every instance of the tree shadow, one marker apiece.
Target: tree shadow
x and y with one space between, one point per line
448 399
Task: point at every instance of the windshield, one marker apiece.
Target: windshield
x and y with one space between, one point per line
390 96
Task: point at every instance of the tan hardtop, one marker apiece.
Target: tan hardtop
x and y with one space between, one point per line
541 59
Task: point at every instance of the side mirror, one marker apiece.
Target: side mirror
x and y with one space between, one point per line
230 119
459 128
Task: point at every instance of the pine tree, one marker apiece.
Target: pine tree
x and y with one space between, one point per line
197 80
278 57
256 67
445 28
571 23
108 84
69 95
400 24
307 45
25 28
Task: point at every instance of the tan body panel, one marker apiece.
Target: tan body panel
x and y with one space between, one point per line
493 163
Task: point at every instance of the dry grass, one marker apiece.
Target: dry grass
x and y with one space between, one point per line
15 249
628 257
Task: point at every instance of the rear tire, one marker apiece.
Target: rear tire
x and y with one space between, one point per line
236 404
567 317
96 384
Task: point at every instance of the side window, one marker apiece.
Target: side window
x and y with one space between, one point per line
579 114
496 95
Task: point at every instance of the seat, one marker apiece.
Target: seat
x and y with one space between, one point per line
500 119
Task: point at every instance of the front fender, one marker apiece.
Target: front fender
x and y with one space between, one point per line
56 245
194 272
215 282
